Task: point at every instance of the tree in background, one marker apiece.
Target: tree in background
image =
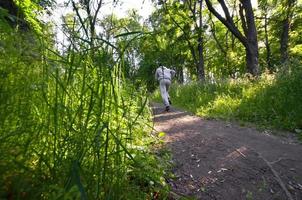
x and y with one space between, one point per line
188 18
196 12
286 21
166 43
265 16
280 24
249 36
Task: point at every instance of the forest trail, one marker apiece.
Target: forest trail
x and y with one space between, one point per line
220 160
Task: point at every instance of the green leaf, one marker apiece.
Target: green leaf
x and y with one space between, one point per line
161 134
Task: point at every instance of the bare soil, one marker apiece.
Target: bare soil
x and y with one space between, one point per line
215 159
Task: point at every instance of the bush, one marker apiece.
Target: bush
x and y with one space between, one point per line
272 100
70 128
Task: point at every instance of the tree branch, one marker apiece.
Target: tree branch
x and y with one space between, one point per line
229 24
244 26
226 11
215 37
185 36
96 12
279 180
80 18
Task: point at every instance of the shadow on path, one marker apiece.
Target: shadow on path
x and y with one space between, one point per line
219 160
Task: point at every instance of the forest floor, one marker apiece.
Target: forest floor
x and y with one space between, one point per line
221 160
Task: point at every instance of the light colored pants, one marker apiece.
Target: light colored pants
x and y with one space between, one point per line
164 85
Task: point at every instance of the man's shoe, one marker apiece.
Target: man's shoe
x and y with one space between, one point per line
167 108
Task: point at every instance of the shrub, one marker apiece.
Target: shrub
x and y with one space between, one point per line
272 100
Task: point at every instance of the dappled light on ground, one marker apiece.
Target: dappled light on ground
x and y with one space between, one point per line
221 160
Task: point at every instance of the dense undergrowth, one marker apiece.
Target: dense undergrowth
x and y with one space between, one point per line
71 127
272 100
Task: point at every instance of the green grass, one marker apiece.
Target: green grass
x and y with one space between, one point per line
71 127
271 100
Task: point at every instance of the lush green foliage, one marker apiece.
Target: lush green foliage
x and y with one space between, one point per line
72 127
76 123
272 100
175 39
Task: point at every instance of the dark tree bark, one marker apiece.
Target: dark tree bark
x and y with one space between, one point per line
200 67
249 38
265 10
285 30
251 35
267 45
16 13
284 41
180 75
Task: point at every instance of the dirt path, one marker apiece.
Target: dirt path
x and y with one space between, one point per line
219 160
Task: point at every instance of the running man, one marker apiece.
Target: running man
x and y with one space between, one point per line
164 76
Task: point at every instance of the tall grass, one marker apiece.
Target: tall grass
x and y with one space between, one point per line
71 126
270 101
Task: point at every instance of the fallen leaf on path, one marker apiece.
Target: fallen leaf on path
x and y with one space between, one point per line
161 134
192 187
203 189
222 169
291 188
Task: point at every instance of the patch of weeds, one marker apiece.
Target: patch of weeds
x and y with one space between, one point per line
152 174
249 195
271 101
263 185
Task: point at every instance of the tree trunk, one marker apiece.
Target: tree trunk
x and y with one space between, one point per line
180 75
251 35
252 59
267 46
284 41
200 66
249 38
285 30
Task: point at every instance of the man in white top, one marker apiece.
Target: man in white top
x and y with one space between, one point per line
164 76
